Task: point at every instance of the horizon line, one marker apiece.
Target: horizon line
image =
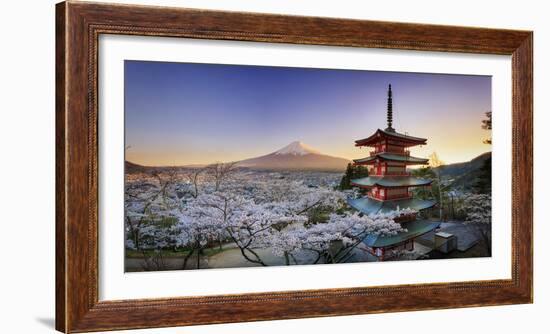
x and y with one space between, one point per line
190 165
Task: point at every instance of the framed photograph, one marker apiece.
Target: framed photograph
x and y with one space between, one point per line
222 166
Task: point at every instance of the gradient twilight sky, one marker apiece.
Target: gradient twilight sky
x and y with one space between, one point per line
183 113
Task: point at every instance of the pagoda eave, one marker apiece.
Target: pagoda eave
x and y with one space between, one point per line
406 140
371 206
390 182
390 157
363 186
373 162
414 229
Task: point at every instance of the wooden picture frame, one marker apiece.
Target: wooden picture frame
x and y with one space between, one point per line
78 26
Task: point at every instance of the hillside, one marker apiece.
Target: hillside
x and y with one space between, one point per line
133 168
464 175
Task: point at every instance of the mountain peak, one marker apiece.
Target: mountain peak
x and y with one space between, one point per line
296 156
297 148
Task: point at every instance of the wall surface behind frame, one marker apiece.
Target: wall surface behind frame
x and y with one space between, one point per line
27 165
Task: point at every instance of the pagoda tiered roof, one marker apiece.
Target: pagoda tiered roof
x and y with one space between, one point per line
371 206
414 229
392 157
387 181
406 140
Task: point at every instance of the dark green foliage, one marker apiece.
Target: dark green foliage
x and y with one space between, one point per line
352 172
487 124
425 192
318 215
483 181
464 176
167 222
462 168
482 184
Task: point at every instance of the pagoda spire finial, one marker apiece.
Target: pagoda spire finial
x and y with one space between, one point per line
390 111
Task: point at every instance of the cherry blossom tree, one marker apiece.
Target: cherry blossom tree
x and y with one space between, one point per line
279 227
478 215
220 172
194 178
198 227
335 240
248 213
224 215
147 200
435 164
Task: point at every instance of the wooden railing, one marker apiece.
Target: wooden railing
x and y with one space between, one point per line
392 151
397 174
389 197
405 218
372 172
398 196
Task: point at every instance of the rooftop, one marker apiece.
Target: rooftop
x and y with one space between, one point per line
380 134
391 181
392 157
414 229
371 206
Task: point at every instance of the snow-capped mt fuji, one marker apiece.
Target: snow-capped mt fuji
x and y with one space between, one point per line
297 148
296 156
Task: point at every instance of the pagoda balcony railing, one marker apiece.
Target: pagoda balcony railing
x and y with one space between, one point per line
388 197
405 218
399 196
373 172
397 174
400 152
392 151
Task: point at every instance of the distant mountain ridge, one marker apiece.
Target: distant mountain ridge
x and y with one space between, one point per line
132 168
296 156
460 168
465 174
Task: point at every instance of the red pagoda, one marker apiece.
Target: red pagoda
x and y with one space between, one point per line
389 187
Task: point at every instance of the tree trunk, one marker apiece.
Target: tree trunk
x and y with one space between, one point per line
258 260
452 207
136 239
199 258
487 240
187 257
440 196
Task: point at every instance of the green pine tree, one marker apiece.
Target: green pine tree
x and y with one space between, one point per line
352 172
483 181
426 192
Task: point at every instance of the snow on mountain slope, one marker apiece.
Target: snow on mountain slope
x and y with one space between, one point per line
296 156
297 148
